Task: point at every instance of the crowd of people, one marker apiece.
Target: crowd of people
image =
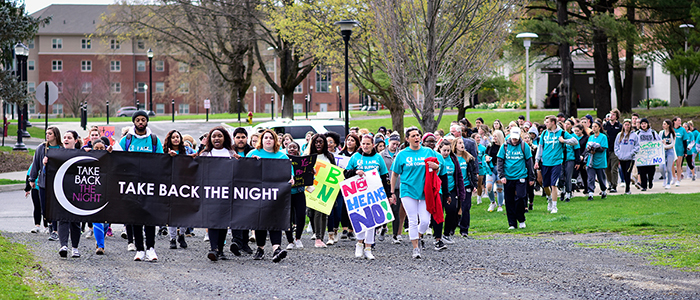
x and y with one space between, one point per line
429 178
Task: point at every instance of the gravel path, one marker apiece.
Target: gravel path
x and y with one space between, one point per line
497 267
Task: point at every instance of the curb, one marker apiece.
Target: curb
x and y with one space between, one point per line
12 187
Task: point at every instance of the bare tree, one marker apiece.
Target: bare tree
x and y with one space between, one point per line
436 49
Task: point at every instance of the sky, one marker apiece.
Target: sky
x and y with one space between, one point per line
35 5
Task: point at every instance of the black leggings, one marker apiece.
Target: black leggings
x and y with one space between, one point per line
64 228
297 216
689 160
217 237
627 166
646 174
345 218
37 208
42 201
451 213
150 236
466 204
261 236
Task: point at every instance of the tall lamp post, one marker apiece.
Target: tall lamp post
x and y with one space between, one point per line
527 38
686 28
346 27
21 53
255 95
149 53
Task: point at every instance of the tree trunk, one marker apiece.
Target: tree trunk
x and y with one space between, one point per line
625 102
288 104
396 110
566 63
616 68
602 83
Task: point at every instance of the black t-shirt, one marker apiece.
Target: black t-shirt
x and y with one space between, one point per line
611 130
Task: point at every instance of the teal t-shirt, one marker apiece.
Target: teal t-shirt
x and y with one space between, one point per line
366 163
264 154
450 172
600 159
410 165
141 145
681 135
514 160
552 149
463 168
570 155
484 167
692 137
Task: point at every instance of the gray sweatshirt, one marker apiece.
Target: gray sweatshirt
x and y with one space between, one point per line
626 147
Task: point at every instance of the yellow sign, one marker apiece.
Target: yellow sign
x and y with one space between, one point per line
321 196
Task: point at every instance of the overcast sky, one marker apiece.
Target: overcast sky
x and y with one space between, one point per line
35 5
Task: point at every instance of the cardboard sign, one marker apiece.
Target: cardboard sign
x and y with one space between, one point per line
321 195
366 201
341 161
108 132
650 154
303 169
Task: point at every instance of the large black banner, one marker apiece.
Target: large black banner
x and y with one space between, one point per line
157 189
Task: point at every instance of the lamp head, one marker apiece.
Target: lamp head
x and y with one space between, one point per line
527 37
149 53
21 50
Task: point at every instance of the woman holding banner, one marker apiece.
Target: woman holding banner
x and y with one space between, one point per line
646 135
298 208
174 146
218 144
410 164
71 140
352 144
268 147
319 145
53 141
367 159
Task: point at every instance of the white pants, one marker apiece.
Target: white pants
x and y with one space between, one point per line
367 235
416 211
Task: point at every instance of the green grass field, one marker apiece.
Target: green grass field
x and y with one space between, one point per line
10 181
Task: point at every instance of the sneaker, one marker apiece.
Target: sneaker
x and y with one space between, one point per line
440 245
416 253
53 236
330 241
321 244
221 256
140 255
181 241
123 235
36 229
279 255
590 198
336 236
395 241
131 247
380 234
500 209
109 231
613 190
313 236
99 251
235 248
492 206
554 209
359 247
251 238
651 185
529 207
151 255
206 237
245 248
567 197
478 200
173 244
522 225
603 195
290 246
344 235
668 186
628 193
299 245
89 233
368 253
63 252
693 177
549 204
511 227
447 240
351 236
429 231
46 230
400 238
76 253
465 235
212 255
163 230
637 185
259 254
678 183
644 189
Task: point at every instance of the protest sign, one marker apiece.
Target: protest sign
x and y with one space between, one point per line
303 169
366 201
108 132
341 161
321 195
650 154
156 189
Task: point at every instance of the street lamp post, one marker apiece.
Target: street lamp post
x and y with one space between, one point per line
255 95
107 112
145 95
172 108
21 53
272 108
136 100
346 27
527 37
239 111
149 53
686 28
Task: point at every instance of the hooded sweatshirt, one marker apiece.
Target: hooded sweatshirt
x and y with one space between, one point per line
648 135
141 143
626 147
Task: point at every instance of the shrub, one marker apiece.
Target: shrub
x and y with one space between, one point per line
654 102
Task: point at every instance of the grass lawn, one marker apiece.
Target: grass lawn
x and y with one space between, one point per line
36 131
10 181
9 149
21 275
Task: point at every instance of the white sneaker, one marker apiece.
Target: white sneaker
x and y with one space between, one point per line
678 183
75 253
359 248
554 208
668 186
368 253
298 244
151 255
429 231
330 242
478 200
336 237
522 225
309 229
499 209
416 253
36 229
313 236
511 227
140 255
492 206
206 237
89 233
131 247
290 246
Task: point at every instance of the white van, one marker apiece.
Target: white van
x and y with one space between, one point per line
298 129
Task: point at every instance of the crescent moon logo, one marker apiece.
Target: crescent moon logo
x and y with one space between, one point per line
58 188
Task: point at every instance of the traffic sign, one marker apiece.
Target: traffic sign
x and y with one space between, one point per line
207 104
41 91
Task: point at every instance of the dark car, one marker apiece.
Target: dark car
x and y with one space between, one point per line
128 111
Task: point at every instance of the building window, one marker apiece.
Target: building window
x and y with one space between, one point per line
30 44
140 44
298 108
184 88
141 86
56 65
115 66
323 79
86 44
184 108
269 89
183 67
57 43
160 66
31 87
114 44
31 108
57 109
86 66
160 87
267 108
59 85
140 66
160 108
86 88
299 89
30 65
270 66
116 87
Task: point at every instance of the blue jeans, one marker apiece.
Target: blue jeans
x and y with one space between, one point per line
492 196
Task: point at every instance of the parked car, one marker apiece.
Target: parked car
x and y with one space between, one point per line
128 111
298 129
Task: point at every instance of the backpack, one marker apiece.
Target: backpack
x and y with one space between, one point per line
522 148
154 141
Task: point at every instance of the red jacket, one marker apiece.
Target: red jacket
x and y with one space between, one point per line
432 191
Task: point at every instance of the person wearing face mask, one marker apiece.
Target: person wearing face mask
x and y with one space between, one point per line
71 140
53 141
397 209
367 159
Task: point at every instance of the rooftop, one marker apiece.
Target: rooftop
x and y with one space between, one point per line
71 18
